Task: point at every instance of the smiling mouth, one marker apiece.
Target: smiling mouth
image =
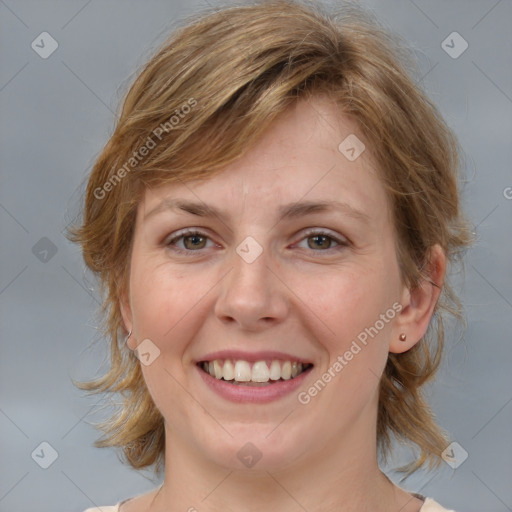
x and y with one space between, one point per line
258 373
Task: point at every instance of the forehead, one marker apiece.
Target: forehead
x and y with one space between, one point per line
307 154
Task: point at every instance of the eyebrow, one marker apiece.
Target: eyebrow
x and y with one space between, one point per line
289 211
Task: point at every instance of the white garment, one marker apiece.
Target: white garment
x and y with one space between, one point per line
429 506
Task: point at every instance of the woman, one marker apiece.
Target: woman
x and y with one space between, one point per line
272 220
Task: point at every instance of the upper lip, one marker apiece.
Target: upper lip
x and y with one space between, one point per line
252 356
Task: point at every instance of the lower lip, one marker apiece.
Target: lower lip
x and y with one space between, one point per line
253 394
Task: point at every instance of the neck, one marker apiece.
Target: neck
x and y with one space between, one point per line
344 478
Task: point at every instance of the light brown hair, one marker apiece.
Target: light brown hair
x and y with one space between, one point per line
203 99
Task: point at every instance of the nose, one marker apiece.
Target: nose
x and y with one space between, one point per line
252 296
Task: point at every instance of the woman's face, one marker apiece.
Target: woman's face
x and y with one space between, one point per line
296 265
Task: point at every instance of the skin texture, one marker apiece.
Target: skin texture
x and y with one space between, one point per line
296 297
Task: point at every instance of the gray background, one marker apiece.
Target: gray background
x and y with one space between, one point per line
57 113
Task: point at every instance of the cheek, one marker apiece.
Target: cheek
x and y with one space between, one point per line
166 309
161 300
354 305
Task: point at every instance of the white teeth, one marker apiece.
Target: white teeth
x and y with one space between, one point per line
218 369
275 370
286 370
228 372
260 372
241 371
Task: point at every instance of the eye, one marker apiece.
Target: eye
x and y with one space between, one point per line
188 241
322 241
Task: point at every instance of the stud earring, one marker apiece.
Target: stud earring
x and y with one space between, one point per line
402 337
127 337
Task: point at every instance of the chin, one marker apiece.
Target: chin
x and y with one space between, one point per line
253 449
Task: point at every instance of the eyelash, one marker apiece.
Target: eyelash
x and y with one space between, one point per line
341 242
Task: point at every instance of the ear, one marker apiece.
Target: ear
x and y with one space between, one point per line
419 303
126 313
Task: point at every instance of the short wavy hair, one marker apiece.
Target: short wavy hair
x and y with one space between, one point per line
201 102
